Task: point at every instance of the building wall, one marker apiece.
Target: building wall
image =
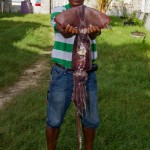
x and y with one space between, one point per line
45 7
120 8
7 5
147 6
146 9
147 22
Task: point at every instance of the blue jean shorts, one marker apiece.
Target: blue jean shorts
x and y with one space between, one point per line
60 94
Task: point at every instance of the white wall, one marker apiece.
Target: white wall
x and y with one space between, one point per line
118 8
147 6
147 22
45 7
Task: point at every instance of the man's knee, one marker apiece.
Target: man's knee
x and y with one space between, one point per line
91 122
55 123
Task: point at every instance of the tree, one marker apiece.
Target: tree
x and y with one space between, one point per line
103 5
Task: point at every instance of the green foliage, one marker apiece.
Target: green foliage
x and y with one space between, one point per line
133 20
144 40
138 22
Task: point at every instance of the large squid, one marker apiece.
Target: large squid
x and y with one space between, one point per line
81 17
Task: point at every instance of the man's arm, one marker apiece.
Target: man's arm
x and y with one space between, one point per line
69 31
66 32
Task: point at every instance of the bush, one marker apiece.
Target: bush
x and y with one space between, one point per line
133 20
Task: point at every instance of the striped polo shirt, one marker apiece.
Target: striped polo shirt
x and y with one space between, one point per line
63 47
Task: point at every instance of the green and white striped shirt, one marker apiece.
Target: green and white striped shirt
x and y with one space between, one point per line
63 47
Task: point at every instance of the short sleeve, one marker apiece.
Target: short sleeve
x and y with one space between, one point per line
54 13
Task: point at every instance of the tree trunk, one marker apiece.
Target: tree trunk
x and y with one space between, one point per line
103 5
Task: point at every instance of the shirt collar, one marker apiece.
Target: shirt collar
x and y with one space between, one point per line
68 6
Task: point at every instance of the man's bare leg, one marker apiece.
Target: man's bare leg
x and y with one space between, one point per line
52 136
89 134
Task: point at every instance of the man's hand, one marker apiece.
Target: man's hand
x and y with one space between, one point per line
71 30
68 31
93 31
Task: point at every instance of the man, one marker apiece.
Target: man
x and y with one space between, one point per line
61 86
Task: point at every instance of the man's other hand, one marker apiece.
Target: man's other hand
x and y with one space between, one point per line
93 31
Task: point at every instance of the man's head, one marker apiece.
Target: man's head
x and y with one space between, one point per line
74 3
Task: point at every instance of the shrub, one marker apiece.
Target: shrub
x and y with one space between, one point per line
133 20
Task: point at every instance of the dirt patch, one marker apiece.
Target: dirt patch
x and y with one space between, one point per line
30 77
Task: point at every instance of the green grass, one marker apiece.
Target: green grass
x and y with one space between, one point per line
124 89
22 41
124 93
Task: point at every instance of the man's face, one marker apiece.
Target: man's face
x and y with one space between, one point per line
74 3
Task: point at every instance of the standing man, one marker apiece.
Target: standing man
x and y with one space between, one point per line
61 86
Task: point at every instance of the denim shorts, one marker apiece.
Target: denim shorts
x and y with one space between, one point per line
60 94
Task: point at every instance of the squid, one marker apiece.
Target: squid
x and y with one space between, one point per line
81 17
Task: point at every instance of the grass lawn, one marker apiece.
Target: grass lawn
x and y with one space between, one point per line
22 39
123 81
